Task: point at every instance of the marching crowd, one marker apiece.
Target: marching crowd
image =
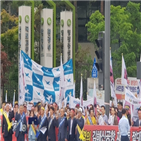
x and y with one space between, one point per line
41 121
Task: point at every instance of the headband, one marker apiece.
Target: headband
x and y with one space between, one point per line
42 108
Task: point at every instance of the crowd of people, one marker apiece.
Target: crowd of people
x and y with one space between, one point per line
40 122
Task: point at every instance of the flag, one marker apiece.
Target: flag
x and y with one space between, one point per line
6 96
94 95
73 89
62 81
124 76
14 98
113 95
81 92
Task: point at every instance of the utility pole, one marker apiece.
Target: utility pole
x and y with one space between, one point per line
107 55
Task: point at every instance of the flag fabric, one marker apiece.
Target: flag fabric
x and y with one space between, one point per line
81 92
42 83
124 76
94 95
14 98
6 96
113 95
62 81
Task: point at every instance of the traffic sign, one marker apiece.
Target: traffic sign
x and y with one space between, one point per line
94 70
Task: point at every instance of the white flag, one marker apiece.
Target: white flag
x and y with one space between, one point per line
113 95
81 92
94 95
14 98
124 76
62 81
6 96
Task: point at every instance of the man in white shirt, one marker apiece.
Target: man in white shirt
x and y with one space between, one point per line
103 120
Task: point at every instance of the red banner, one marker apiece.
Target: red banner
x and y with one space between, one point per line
95 133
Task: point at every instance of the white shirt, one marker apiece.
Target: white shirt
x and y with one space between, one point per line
71 122
111 120
7 114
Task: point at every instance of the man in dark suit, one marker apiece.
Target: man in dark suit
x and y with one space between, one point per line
62 125
137 123
42 123
80 123
7 132
71 126
52 123
21 128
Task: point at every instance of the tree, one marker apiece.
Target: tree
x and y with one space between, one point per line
125 32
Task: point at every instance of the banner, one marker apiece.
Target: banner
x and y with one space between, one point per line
46 38
132 86
109 133
41 83
66 34
99 96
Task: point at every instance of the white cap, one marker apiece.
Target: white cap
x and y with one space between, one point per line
80 110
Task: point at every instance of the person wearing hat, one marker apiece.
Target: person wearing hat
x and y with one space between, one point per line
80 125
127 107
137 123
124 127
43 123
21 127
7 124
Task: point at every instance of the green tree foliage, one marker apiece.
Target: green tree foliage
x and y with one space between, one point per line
125 31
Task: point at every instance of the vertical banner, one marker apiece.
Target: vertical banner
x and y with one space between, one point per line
24 38
66 34
46 38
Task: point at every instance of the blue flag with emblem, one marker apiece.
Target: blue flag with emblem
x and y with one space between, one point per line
94 70
39 83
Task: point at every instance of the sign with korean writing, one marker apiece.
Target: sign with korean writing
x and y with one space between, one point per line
24 32
46 38
94 70
120 89
24 38
66 34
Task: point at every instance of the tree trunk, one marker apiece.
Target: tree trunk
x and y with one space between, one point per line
76 26
102 7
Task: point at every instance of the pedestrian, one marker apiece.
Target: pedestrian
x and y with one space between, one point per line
113 119
124 126
120 107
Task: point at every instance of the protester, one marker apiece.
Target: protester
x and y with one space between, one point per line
52 123
90 120
32 125
113 119
127 107
80 124
6 126
120 107
124 126
72 122
103 120
137 123
21 127
43 126
62 126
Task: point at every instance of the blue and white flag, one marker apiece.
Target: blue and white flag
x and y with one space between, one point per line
42 83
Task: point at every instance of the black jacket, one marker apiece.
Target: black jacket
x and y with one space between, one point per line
5 125
73 128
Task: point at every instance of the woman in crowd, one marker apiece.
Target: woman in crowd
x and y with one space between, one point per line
32 127
90 120
113 119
